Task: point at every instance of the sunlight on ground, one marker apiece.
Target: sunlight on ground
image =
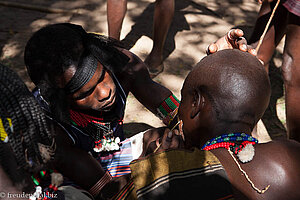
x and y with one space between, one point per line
10 50
197 24
280 110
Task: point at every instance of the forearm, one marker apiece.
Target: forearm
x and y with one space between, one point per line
73 163
6 184
151 94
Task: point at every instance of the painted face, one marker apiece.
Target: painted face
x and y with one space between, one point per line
98 94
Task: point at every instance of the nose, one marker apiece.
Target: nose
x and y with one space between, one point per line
103 92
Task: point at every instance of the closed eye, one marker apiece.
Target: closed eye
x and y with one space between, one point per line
90 91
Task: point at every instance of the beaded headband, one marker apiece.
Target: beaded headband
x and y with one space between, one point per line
85 71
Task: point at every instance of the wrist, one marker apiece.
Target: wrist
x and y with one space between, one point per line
98 186
168 109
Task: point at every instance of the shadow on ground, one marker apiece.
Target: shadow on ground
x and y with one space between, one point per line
19 24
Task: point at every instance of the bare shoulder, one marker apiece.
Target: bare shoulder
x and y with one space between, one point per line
134 73
135 64
276 163
281 147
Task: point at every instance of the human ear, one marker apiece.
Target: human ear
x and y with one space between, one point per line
197 104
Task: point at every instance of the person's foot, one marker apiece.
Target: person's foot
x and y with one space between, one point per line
154 64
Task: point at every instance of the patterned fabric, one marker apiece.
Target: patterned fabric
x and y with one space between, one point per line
128 192
292 6
180 174
117 163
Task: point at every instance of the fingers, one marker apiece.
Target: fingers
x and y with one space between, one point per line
229 41
234 34
152 148
172 140
212 48
252 51
232 40
242 44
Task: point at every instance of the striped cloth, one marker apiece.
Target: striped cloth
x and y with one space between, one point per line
128 192
117 163
179 174
293 6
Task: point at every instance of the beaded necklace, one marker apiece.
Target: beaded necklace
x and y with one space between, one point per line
240 144
101 131
50 192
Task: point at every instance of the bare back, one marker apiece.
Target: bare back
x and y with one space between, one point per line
276 163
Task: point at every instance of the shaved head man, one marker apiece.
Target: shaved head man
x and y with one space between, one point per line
222 99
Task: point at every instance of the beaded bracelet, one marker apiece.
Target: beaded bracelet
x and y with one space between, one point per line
168 109
95 190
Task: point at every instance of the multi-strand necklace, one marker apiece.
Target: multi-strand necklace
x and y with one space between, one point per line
240 144
99 130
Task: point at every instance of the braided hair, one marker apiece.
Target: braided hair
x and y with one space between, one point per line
30 137
55 48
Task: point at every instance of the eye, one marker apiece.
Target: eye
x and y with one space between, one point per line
89 92
85 94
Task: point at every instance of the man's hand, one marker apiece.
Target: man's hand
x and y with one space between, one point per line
170 140
232 40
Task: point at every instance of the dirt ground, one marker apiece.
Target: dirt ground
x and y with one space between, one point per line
196 24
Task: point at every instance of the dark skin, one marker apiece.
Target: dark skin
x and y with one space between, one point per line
280 170
284 23
99 95
163 14
6 184
66 161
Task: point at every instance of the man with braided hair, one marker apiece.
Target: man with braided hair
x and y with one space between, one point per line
83 81
26 140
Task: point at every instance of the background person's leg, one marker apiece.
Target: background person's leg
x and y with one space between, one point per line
271 39
274 34
163 15
116 10
291 75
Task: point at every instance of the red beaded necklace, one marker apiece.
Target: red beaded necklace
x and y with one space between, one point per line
104 139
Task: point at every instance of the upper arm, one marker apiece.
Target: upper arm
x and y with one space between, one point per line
147 91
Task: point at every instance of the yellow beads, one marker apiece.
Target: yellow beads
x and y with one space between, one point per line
3 134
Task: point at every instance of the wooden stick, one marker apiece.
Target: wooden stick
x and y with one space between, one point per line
37 8
267 26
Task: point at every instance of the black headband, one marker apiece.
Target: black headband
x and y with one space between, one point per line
85 71
97 49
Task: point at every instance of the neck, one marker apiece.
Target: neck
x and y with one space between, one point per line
231 128
221 129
